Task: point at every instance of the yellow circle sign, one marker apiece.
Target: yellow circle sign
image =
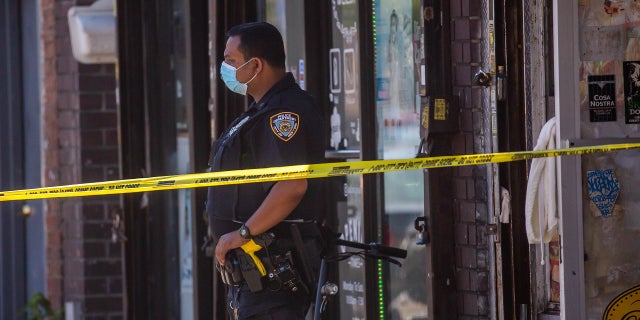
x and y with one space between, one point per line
626 306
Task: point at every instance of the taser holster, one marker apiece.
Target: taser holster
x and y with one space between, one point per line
252 267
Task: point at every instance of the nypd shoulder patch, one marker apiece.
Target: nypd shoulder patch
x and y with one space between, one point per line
284 125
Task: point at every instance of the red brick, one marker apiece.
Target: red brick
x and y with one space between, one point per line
467 211
89 68
67 159
73 230
466 171
63 42
461 188
68 138
111 137
67 82
68 173
74 268
96 286
68 101
110 101
115 250
73 248
93 173
97 231
461 29
470 304
466 52
99 157
462 75
68 119
54 267
92 138
112 173
473 235
95 268
456 8
94 250
74 288
475 51
102 304
478 281
475 8
50 50
466 257
65 65
98 120
93 212
62 7
456 52
115 285
471 189
462 280
469 145
466 120
52 221
475 29
92 83
464 7
71 209
109 68
91 101
461 234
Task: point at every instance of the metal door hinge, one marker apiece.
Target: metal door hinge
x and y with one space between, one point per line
493 230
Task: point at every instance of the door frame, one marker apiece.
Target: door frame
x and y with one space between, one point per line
12 165
566 66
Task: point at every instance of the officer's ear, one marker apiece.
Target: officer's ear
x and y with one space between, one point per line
260 64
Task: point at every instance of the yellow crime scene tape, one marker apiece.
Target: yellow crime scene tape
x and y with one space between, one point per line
308 171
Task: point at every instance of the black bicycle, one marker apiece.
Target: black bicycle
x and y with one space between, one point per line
326 289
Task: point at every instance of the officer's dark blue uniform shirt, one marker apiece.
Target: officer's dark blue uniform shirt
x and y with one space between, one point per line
283 128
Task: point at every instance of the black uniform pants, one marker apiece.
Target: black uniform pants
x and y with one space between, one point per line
282 304
290 311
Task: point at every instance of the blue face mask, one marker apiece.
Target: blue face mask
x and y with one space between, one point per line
228 73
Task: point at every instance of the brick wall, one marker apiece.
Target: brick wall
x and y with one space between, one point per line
80 145
471 247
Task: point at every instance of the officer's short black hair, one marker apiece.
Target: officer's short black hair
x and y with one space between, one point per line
262 40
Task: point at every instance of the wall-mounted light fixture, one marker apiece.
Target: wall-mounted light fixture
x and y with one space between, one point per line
93 32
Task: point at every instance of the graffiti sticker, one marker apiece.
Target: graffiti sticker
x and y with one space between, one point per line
603 189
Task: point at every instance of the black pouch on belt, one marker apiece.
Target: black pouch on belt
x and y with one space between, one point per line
250 271
230 272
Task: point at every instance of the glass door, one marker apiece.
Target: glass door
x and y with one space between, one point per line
597 103
399 51
609 108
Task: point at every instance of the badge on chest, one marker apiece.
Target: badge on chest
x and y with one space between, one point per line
284 125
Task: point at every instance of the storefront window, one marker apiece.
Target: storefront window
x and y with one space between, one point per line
398 52
288 17
609 110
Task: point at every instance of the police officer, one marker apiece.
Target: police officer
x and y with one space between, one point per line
283 126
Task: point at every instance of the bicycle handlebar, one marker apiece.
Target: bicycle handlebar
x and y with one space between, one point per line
380 249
